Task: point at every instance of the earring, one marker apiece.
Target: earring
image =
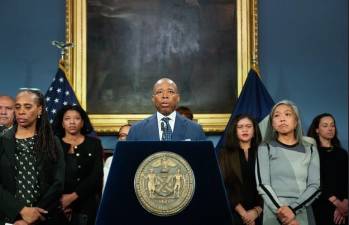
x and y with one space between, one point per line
39 116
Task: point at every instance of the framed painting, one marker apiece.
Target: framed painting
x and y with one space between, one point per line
121 48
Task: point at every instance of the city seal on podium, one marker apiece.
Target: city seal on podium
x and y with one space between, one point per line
164 183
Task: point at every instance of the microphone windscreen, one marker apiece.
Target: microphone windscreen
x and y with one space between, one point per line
162 126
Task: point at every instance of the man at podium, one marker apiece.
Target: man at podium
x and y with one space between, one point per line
166 124
159 178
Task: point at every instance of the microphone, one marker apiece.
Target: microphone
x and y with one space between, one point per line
163 126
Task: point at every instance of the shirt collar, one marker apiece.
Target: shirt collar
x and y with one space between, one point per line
172 116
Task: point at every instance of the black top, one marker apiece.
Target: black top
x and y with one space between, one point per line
84 175
26 171
249 192
239 179
334 181
71 171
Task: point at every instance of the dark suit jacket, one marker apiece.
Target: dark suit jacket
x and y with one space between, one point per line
4 129
50 187
184 129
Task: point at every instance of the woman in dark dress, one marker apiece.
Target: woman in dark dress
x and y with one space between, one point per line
84 165
31 166
237 163
332 206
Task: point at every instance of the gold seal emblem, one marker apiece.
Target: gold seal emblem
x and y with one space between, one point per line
164 183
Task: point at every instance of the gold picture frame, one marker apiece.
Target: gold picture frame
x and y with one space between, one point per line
75 62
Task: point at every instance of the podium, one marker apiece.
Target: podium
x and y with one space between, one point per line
208 204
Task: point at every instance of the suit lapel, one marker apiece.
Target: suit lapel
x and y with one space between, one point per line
152 128
9 144
179 129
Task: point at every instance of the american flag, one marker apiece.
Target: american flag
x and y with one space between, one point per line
254 100
59 93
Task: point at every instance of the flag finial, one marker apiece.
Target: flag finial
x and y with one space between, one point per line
63 46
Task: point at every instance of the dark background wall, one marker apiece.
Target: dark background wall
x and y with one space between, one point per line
303 52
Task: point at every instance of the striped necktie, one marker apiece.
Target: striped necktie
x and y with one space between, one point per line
166 129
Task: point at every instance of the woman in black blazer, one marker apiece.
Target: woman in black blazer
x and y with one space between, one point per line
31 166
84 165
237 162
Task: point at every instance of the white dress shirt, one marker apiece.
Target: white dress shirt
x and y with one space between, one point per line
172 121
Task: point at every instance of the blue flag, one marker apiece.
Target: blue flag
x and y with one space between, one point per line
59 93
254 100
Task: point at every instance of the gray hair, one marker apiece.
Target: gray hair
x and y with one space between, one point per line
271 134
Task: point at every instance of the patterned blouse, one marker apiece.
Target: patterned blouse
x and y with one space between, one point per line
27 173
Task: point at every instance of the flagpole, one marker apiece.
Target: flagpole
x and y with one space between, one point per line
60 91
63 47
